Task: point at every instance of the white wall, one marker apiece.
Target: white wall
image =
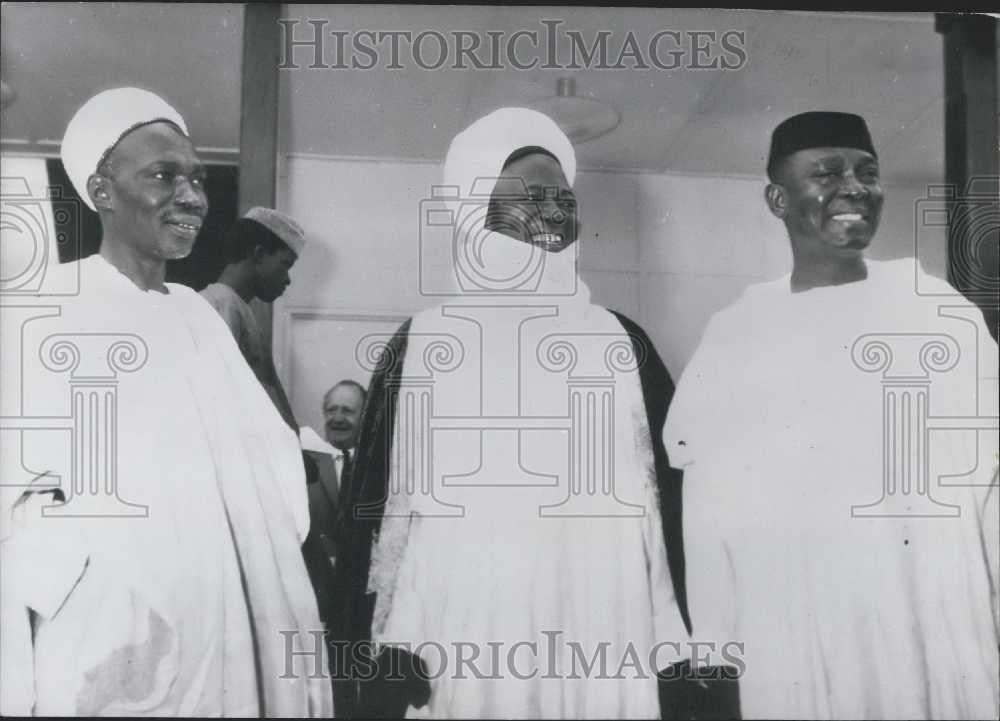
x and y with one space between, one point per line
667 250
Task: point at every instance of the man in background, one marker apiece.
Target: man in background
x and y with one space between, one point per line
327 489
342 406
260 249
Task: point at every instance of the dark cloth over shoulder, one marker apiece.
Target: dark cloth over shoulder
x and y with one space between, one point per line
366 504
361 519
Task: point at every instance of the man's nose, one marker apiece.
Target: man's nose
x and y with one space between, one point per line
189 196
853 187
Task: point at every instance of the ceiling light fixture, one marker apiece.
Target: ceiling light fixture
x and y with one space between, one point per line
582 119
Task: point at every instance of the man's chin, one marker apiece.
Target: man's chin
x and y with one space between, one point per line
852 244
175 250
337 440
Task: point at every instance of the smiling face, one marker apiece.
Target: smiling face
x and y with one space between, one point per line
830 200
532 202
151 192
342 414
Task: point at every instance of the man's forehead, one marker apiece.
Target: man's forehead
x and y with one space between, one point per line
536 167
156 141
342 395
286 254
816 155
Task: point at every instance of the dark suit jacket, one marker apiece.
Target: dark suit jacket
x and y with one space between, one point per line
323 503
321 544
325 541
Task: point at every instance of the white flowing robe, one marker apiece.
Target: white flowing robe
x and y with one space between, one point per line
780 435
190 609
529 599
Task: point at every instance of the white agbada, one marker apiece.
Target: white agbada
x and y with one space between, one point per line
780 435
181 612
501 573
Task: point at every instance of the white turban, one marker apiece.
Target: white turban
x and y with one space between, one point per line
484 260
102 122
480 150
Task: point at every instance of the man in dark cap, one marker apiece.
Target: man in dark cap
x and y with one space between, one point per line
852 553
828 195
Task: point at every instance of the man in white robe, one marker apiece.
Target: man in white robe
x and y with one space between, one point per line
853 554
151 554
540 529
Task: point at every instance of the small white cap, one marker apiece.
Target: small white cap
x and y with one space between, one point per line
102 122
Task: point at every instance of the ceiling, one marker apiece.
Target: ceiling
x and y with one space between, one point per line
886 67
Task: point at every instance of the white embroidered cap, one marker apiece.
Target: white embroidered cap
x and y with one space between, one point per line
102 122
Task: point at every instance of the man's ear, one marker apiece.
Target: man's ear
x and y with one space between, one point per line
777 200
97 189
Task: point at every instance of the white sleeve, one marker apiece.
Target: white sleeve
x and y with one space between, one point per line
698 406
989 528
41 564
696 423
711 578
989 405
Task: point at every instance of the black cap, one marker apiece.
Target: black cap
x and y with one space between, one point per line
818 129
